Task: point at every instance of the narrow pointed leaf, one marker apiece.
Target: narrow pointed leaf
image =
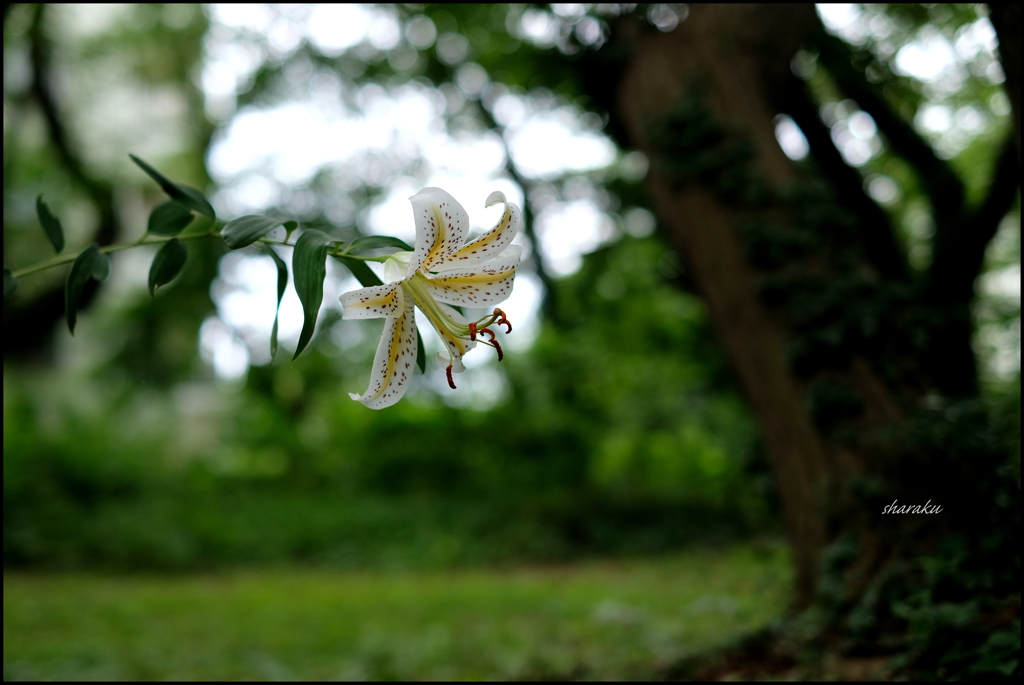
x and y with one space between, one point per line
190 197
170 218
374 241
309 266
245 230
167 264
51 225
101 267
81 271
282 283
10 283
421 354
361 271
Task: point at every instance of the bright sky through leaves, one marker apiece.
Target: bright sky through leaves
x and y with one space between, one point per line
264 152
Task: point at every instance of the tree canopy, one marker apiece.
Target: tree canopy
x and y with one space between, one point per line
770 278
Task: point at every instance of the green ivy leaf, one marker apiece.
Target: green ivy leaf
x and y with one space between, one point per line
167 264
245 230
51 225
375 241
170 218
190 197
309 266
282 283
10 283
83 268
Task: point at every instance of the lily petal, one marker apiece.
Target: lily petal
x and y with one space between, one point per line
456 346
441 225
483 286
393 363
374 302
490 244
442 361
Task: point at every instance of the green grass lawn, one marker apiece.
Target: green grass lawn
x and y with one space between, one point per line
591 620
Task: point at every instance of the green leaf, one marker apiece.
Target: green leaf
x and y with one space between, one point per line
101 267
309 266
374 241
10 283
167 264
361 271
81 271
170 218
190 197
282 283
421 354
51 225
245 230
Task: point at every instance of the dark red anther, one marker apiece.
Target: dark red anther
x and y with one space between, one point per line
503 320
451 383
472 330
493 341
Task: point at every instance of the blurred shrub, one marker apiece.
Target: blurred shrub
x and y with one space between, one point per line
622 434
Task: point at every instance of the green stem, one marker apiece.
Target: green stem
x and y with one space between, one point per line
158 240
68 258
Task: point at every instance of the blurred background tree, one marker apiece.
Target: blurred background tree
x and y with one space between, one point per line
837 205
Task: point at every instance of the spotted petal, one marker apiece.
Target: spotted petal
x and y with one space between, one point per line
455 346
483 286
374 302
393 363
490 244
441 225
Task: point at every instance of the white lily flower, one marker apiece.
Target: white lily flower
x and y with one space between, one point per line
442 270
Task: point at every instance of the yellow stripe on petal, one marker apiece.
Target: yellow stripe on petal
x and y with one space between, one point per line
474 289
489 245
374 302
394 362
441 225
449 324
456 346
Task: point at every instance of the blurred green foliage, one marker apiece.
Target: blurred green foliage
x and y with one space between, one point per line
623 619
610 441
619 432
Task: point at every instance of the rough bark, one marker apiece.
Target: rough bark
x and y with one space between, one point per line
734 61
1006 20
734 51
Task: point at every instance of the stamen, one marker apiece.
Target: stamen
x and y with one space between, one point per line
472 330
493 342
448 371
502 320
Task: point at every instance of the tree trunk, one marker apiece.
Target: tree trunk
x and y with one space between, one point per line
852 366
732 52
